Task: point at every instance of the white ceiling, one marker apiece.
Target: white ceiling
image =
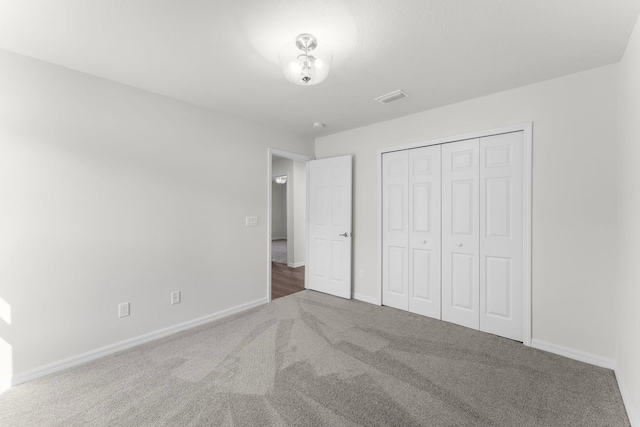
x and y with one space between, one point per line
222 54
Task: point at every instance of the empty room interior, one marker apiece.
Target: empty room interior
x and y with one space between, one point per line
320 212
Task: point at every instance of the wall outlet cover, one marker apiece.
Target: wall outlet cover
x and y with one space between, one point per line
175 297
123 309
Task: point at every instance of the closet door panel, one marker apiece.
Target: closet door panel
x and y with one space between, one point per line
501 235
424 234
395 229
460 233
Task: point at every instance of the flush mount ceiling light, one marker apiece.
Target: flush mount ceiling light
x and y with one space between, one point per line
304 62
281 179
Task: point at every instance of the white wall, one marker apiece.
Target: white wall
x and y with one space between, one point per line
111 194
573 195
628 222
278 211
299 214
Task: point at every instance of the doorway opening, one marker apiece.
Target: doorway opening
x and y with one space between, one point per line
287 228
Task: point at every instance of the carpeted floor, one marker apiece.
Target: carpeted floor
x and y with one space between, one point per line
310 359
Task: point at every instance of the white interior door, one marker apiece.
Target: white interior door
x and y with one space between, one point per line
329 225
460 233
501 235
424 233
395 230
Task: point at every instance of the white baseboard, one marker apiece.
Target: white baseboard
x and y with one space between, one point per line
132 342
578 355
296 264
365 298
632 412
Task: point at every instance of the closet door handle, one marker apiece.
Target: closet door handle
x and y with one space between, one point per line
345 234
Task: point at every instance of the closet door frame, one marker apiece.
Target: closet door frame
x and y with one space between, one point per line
527 129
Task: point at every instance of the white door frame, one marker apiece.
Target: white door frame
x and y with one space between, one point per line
287 155
527 129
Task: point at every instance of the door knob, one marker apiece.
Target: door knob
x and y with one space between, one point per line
424 242
459 245
345 234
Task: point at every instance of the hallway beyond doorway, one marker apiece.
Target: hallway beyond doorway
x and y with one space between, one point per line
285 280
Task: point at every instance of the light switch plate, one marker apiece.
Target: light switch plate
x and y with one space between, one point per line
251 221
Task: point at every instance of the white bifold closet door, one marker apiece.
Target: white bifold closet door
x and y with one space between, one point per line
453 232
395 225
482 234
411 236
461 233
424 231
501 235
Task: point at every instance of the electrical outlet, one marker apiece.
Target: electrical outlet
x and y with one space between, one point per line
361 274
175 297
123 309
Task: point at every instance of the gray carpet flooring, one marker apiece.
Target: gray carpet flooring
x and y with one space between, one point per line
310 359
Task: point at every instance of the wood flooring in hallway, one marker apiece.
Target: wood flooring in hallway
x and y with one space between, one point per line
285 280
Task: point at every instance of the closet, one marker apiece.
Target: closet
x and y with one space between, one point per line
452 232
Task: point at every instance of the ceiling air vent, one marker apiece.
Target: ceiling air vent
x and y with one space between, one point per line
391 97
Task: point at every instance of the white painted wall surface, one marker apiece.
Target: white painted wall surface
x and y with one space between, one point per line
278 210
628 222
573 195
299 214
111 194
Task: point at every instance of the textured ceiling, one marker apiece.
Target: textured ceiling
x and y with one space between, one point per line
222 54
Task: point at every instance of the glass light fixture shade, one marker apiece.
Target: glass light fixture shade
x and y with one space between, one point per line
305 61
281 179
